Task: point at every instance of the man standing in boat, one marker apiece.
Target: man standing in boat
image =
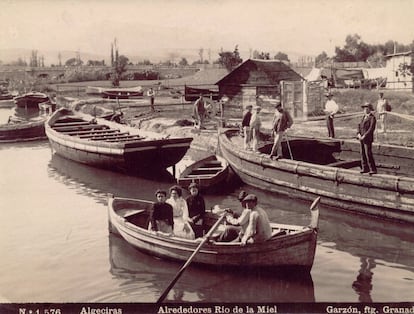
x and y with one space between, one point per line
331 108
199 112
196 209
246 126
255 124
365 135
151 95
281 122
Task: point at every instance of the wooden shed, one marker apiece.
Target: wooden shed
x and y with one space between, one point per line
255 81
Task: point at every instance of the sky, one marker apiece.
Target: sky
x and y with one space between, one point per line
305 27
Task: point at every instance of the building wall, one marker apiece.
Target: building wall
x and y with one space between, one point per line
395 79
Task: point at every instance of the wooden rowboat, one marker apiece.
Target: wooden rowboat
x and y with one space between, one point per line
208 173
105 144
22 130
290 245
31 100
329 168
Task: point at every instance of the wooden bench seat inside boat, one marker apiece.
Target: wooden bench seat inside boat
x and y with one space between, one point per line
80 127
209 168
105 135
87 132
76 123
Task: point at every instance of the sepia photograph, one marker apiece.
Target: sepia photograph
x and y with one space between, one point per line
206 156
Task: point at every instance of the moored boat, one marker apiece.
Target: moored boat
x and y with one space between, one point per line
122 93
31 100
105 144
209 173
289 246
22 130
329 168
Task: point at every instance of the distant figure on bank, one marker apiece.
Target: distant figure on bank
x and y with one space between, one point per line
281 122
161 215
196 209
258 228
365 135
246 126
331 108
382 113
255 124
151 95
199 112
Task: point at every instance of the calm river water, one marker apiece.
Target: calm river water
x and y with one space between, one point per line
55 245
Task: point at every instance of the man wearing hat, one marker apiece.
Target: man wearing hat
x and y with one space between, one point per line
196 209
382 105
258 229
331 108
255 124
245 126
235 222
365 135
281 122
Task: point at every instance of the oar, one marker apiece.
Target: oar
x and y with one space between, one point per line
181 271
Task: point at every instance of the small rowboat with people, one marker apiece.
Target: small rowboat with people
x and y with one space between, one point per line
329 168
290 245
106 144
209 172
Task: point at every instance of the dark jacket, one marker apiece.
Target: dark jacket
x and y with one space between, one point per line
246 119
196 207
161 211
367 127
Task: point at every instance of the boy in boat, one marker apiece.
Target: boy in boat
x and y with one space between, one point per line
196 209
255 124
235 224
161 216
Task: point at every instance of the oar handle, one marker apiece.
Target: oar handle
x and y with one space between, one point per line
180 272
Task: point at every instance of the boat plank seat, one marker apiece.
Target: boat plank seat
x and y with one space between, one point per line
80 128
213 163
126 139
105 135
345 163
191 176
87 132
71 123
208 168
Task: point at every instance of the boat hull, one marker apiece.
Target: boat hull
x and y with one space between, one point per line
31 100
137 156
209 173
24 131
381 195
294 250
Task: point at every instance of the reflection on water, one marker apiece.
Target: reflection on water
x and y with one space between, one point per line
363 283
358 259
204 285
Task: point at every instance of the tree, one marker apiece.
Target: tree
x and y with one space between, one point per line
183 62
74 62
281 56
120 67
321 58
230 59
200 53
33 59
354 50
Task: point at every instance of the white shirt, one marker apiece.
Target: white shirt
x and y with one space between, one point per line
331 107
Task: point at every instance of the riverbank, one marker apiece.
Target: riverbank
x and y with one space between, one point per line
175 119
